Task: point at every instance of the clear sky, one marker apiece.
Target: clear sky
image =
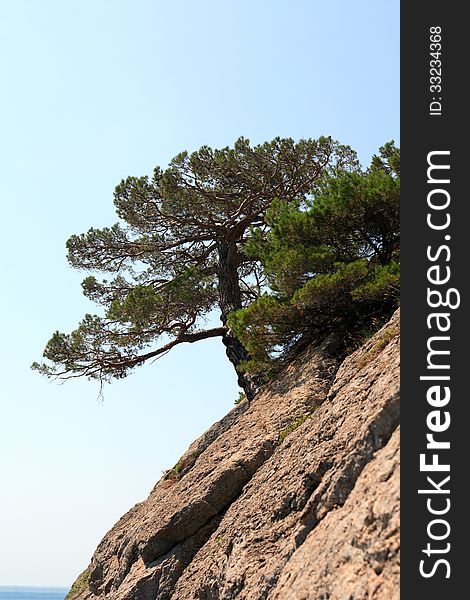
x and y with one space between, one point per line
93 91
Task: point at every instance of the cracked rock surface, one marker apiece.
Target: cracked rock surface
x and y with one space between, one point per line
294 495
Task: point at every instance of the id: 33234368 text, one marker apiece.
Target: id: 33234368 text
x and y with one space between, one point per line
435 70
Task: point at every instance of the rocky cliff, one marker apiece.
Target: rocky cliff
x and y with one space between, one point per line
292 496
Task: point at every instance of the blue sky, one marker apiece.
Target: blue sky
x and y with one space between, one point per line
93 91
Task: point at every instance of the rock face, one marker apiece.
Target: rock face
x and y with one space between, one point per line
292 496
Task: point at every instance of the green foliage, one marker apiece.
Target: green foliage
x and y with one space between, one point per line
80 584
241 398
332 262
380 343
182 465
266 325
292 427
287 241
180 252
382 284
175 472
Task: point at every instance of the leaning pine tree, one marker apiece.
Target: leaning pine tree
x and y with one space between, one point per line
178 253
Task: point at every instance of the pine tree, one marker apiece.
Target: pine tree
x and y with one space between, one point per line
332 263
178 253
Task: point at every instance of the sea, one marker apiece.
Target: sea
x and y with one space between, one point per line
32 593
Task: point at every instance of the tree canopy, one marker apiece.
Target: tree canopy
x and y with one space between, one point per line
178 253
332 263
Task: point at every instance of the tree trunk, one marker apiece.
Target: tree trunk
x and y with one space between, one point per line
230 300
